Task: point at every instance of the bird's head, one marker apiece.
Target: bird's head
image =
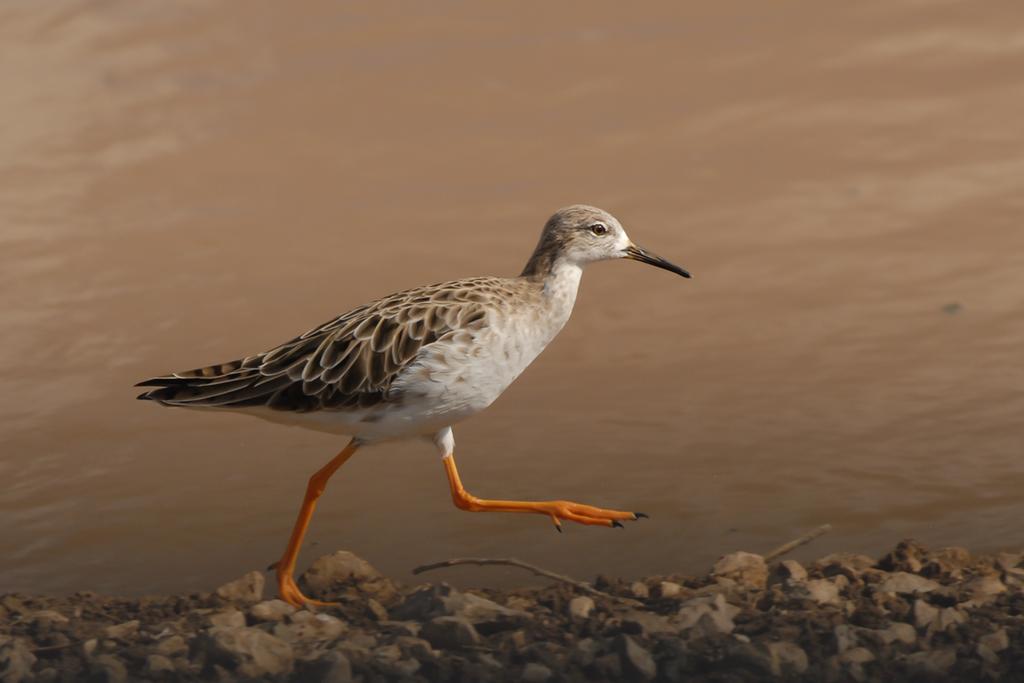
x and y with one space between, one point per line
582 234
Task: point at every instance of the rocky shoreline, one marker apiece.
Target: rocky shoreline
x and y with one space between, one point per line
912 615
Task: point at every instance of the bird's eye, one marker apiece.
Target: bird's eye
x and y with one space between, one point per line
599 228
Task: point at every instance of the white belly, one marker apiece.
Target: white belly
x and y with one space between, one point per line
458 378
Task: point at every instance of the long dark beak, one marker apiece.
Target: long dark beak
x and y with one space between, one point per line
643 256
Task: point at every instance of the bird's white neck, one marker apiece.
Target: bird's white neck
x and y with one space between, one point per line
564 277
561 284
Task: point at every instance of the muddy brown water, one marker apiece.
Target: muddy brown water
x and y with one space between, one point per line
186 183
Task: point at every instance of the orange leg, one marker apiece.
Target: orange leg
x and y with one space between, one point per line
557 510
286 586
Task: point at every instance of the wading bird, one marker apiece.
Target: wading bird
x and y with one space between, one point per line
415 363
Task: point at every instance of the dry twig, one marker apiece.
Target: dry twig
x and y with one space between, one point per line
796 543
510 562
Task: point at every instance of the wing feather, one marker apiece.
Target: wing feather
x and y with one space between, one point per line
351 361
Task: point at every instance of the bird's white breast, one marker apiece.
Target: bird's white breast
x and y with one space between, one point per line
458 377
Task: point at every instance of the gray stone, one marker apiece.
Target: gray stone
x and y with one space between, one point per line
898 632
46 676
905 557
846 636
787 570
516 640
726 586
443 600
637 663
107 669
401 628
359 655
48 615
787 659
954 555
375 610
333 573
746 568
16 660
931 662
172 646
333 667
987 655
935 619
711 624
1014 577
362 639
850 565
904 582
608 667
950 616
580 607
997 641
14 605
669 589
271 610
832 671
535 673
388 653
584 651
719 613
984 588
858 655
248 588
450 633
248 652
228 617
741 655
123 631
388 660
639 590
481 611
852 662
821 591
401 669
489 661
157 665
519 602
778 659
344 565
924 614
417 648
1008 561
646 623
947 563
308 627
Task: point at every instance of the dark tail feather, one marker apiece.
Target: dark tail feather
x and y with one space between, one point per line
159 395
171 389
201 385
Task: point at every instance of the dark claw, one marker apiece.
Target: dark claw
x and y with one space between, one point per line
272 567
558 528
641 515
617 523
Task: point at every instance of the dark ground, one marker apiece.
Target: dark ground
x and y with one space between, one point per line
913 615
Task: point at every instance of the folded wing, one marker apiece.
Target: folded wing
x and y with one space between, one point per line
349 362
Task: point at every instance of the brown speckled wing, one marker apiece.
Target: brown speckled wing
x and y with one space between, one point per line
350 362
